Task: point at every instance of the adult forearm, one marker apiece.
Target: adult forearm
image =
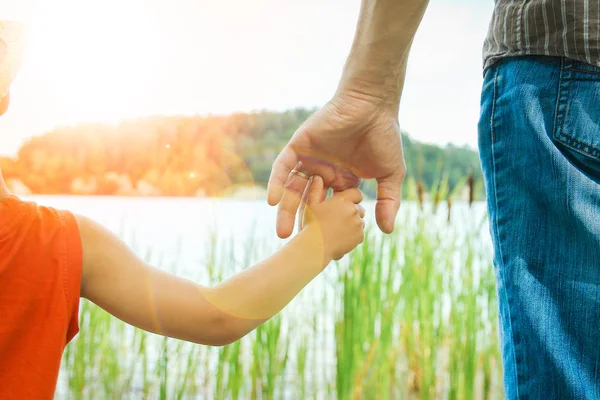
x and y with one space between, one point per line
376 66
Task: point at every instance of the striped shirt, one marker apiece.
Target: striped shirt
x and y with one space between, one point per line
563 28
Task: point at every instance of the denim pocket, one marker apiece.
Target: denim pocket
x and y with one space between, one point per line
578 112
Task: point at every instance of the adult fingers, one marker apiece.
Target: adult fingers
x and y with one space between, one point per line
389 190
280 171
294 187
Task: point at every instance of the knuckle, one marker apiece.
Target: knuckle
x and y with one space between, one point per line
339 203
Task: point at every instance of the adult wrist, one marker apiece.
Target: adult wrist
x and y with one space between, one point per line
365 93
376 66
379 83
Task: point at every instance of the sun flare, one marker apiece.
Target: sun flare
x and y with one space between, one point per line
99 63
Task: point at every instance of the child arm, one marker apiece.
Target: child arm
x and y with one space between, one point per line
116 279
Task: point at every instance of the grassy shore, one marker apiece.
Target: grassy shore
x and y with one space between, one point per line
406 316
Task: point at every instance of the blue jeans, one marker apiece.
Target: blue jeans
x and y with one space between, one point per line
539 142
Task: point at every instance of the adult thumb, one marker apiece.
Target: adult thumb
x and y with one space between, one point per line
389 190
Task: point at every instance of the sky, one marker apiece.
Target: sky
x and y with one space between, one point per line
105 61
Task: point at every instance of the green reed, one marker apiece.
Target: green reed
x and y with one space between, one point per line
410 315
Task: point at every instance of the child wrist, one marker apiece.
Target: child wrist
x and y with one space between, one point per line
318 243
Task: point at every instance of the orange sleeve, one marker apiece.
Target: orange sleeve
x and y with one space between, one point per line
40 275
72 272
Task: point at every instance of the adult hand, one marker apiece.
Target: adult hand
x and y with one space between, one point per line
353 136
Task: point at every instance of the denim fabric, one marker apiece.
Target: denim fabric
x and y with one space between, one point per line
539 142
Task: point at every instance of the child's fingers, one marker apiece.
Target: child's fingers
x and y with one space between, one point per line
324 195
361 210
293 189
354 195
303 203
300 215
315 193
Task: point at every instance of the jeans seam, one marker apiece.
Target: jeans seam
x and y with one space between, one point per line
585 71
497 233
571 142
562 110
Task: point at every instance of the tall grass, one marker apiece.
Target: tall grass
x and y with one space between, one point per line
406 316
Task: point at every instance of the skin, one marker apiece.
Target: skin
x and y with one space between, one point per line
356 134
116 279
119 281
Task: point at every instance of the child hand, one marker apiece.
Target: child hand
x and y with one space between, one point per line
339 220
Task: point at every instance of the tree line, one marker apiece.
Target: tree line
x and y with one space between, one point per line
192 156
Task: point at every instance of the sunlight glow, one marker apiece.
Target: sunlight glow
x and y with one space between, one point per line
100 62
90 61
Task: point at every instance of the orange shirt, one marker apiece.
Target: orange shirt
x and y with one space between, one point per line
40 274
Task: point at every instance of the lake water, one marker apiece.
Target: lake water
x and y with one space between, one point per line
180 231
182 235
